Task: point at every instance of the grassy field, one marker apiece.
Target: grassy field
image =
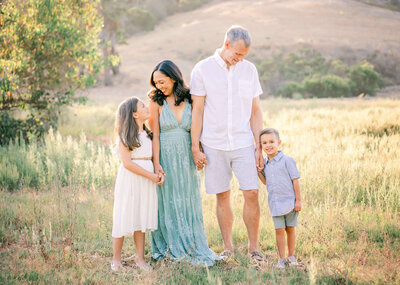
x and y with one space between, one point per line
57 197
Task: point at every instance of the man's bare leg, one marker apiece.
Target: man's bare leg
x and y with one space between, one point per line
225 219
251 217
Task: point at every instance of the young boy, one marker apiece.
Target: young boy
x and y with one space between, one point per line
281 176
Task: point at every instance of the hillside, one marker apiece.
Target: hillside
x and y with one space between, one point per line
336 28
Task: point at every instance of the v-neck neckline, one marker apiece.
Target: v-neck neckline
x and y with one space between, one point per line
183 113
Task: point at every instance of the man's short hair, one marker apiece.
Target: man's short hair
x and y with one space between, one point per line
270 131
236 33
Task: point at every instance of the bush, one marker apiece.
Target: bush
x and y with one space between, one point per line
326 86
141 18
364 79
48 50
290 89
307 73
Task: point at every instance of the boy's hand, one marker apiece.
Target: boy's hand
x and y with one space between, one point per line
259 159
297 206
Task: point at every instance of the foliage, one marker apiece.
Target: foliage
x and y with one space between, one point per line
58 161
308 74
128 17
47 50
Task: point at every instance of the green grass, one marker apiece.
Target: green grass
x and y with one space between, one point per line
58 229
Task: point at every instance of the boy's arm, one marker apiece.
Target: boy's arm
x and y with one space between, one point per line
262 177
297 203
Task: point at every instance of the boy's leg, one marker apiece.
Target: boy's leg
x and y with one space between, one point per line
291 223
225 219
280 242
291 238
117 248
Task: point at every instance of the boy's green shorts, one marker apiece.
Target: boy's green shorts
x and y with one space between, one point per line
288 220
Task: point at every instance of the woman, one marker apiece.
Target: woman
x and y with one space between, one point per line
180 233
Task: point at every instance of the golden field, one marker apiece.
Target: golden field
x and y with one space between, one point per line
57 197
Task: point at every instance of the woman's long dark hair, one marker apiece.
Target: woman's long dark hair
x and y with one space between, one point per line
180 90
125 125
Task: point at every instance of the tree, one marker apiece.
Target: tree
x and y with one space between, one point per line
48 49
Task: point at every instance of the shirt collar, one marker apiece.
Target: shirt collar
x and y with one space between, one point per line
276 157
219 59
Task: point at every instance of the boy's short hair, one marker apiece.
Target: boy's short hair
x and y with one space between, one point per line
270 131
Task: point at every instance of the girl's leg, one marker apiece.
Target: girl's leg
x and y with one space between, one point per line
139 238
117 248
280 242
291 238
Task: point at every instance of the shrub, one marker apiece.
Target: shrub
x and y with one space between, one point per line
364 79
48 50
307 73
290 89
326 86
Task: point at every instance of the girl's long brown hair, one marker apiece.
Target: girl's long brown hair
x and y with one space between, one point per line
125 125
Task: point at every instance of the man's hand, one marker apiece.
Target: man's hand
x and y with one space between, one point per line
259 160
199 159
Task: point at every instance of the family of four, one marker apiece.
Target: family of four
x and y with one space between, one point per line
215 125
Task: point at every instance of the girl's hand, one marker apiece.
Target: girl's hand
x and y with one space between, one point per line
162 179
155 178
297 206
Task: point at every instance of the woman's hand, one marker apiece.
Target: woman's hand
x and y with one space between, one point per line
158 170
162 179
199 158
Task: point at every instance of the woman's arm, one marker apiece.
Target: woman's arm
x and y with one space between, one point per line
155 128
199 157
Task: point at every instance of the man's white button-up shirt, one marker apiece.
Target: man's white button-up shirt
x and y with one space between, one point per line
228 103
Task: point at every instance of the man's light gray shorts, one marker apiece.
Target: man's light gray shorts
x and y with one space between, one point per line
218 171
288 220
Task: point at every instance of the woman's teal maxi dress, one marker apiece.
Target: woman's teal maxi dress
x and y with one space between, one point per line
180 234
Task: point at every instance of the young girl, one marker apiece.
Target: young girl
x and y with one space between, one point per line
135 196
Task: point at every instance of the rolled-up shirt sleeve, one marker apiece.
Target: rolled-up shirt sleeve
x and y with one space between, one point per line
197 87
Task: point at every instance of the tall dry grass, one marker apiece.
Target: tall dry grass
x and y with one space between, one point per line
348 155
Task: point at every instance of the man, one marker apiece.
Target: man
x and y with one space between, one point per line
227 120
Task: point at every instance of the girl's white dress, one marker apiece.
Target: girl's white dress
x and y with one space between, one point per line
135 197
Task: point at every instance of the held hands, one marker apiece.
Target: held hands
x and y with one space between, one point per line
157 178
159 175
297 206
200 159
259 160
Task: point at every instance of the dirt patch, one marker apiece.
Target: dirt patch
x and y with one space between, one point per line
332 27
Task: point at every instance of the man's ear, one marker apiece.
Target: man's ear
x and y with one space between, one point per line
227 44
279 142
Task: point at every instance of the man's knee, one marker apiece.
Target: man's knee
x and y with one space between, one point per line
223 198
251 196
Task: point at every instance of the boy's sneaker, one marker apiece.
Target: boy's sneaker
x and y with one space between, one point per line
291 261
281 263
